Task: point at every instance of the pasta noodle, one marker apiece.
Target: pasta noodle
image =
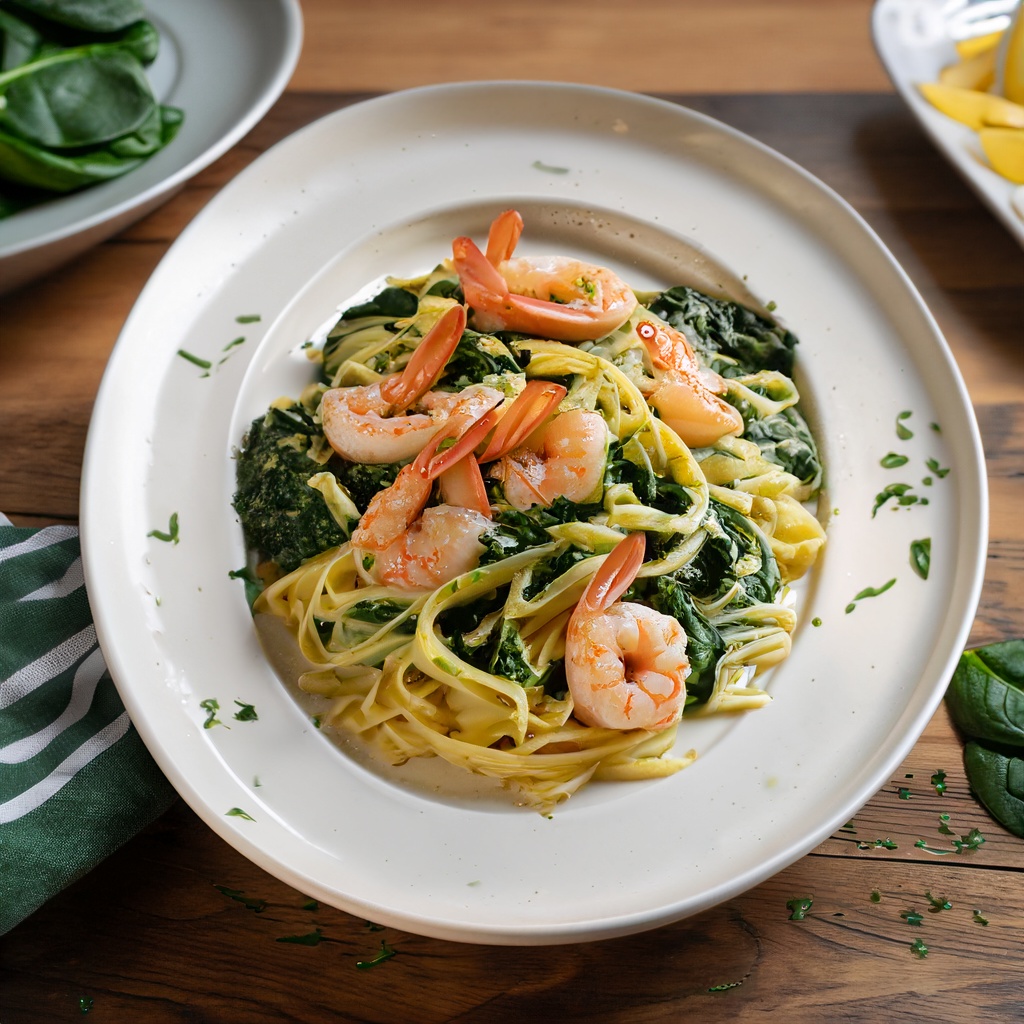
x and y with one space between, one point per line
476 666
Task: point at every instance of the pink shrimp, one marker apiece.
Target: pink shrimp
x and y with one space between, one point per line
372 424
685 394
552 296
625 663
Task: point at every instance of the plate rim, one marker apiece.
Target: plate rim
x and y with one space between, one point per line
620 924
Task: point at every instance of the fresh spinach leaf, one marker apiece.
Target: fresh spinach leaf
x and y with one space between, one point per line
997 779
786 440
88 15
986 694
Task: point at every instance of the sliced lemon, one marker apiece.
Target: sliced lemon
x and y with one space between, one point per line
975 109
977 72
970 47
1004 148
1010 59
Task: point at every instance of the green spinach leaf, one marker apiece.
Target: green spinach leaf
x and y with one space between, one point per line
997 779
986 695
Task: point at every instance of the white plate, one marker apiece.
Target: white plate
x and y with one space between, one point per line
224 64
383 187
914 44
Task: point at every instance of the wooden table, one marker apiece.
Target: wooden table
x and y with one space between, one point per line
146 935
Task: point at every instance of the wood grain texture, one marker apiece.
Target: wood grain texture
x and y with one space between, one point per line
149 937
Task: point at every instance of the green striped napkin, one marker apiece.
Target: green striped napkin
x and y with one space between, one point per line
76 780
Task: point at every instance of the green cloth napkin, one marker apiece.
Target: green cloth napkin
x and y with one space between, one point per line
76 780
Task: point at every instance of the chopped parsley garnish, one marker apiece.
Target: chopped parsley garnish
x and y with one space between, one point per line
257 906
372 927
312 938
171 536
248 318
816 621
903 432
85 1002
912 917
944 828
548 168
237 812
247 712
979 919
233 344
902 494
211 706
798 907
386 953
894 460
903 793
939 782
919 949
203 364
869 592
939 471
725 986
936 428
876 896
921 556
879 844
317 721
972 841
311 905
937 906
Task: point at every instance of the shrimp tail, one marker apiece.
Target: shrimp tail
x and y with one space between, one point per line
503 237
427 362
483 286
530 409
463 485
615 575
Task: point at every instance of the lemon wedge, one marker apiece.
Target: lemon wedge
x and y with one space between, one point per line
975 72
1004 148
1010 59
975 109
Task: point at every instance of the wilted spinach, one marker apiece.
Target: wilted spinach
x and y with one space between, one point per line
727 327
786 440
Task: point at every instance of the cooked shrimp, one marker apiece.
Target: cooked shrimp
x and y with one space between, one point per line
400 542
552 296
371 423
625 663
684 393
564 456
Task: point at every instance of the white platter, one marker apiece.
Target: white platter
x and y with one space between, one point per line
383 187
224 64
913 41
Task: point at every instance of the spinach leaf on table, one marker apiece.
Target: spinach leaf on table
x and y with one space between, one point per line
986 700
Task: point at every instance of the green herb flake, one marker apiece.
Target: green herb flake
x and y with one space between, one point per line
899 492
894 460
937 905
312 938
248 318
939 471
537 165
869 592
921 556
247 712
311 905
171 536
368 562
876 896
912 917
257 906
903 793
771 306
203 364
944 828
972 841
85 1002
815 621
233 344
373 927
386 953
979 919
939 782
936 428
919 949
903 432
799 906
725 986
237 812
211 706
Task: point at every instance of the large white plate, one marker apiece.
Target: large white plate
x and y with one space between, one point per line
224 64
383 187
913 39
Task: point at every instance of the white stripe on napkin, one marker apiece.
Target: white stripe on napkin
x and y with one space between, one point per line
45 668
45 538
83 688
67 584
23 803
